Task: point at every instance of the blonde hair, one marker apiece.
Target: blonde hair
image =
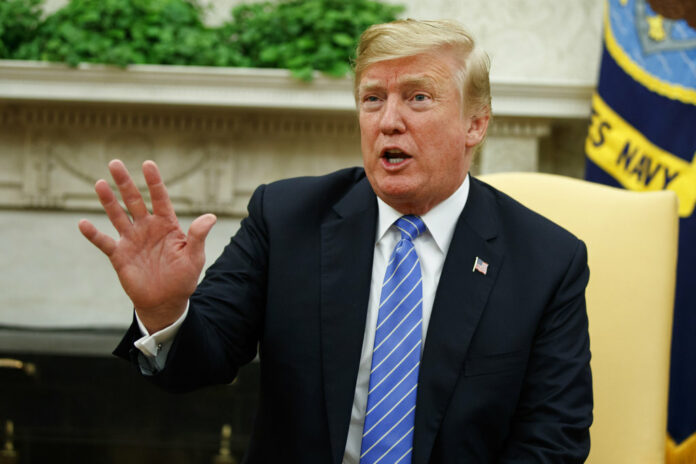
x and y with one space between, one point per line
409 37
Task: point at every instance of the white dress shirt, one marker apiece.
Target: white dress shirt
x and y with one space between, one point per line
431 246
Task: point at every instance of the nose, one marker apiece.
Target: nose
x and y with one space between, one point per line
392 121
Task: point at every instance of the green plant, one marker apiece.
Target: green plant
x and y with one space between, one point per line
122 32
18 22
304 35
300 35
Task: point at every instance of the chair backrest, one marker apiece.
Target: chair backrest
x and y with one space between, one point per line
631 239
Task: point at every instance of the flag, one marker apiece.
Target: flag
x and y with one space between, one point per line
642 136
480 265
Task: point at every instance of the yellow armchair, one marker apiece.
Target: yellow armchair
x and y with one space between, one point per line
631 239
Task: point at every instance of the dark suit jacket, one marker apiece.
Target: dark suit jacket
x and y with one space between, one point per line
505 372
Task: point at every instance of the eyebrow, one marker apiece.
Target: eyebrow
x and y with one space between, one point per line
417 81
369 86
408 80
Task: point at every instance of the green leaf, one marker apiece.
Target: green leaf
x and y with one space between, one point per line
269 55
304 74
343 39
338 69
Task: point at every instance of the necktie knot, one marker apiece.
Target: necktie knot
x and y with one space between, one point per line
410 226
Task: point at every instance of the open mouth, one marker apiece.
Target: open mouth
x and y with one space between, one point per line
394 156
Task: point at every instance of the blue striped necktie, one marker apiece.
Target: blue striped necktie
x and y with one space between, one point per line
391 399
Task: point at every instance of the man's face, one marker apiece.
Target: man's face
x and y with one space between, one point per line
416 138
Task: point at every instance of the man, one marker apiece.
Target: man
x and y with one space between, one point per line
402 313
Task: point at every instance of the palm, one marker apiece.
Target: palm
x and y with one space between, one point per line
157 264
153 263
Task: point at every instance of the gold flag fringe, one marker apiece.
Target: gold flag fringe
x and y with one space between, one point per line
683 453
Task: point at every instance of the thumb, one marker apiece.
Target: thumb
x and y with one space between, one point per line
199 231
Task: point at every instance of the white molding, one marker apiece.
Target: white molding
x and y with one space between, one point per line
544 99
153 119
250 88
526 127
172 85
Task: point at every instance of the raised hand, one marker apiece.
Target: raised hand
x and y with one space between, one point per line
158 265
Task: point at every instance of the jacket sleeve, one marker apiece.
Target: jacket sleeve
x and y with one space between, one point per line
552 420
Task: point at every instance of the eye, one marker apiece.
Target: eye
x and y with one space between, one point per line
419 97
370 102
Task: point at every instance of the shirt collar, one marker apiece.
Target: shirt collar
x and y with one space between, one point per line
440 220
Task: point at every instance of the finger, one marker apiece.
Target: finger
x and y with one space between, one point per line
198 232
129 192
102 241
161 204
114 211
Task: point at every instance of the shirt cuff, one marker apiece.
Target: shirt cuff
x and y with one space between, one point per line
155 345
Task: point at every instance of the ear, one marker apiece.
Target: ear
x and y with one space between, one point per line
478 125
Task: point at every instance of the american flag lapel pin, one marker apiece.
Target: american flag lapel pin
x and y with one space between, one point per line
480 265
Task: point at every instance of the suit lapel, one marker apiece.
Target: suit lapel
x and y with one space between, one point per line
347 248
459 301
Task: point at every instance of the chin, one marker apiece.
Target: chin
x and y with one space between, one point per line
397 192
404 201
